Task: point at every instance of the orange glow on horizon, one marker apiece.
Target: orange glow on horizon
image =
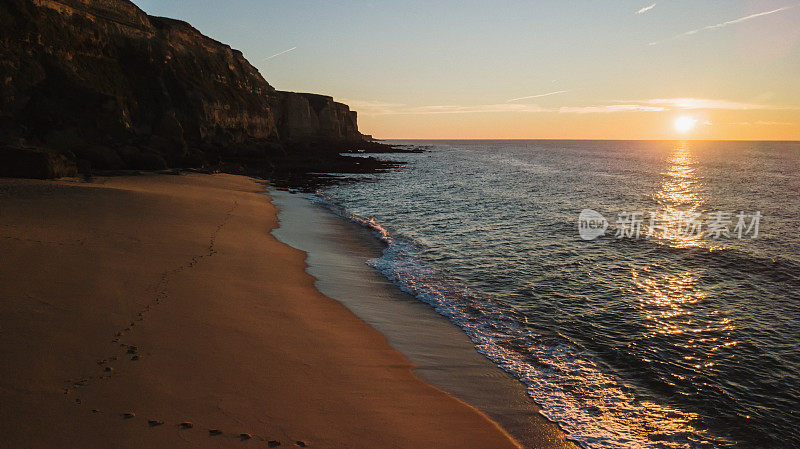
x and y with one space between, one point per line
716 125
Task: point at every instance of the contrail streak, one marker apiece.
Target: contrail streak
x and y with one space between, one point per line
724 24
537 96
645 9
278 54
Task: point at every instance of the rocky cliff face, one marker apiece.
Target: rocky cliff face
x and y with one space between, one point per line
103 82
302 116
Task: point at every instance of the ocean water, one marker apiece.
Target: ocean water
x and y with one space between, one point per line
672 339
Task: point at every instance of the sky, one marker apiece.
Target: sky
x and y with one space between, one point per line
614 69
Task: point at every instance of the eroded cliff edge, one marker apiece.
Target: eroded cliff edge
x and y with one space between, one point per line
103 85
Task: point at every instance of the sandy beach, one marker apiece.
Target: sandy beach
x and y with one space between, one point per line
338 251
158 311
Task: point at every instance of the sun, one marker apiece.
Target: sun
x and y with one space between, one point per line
684 124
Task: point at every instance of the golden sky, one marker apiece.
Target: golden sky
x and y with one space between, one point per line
582 69
715 124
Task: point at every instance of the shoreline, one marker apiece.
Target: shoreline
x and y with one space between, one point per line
158 311
442 354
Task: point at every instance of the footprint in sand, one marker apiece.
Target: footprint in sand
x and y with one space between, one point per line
214 432
186 425
155 422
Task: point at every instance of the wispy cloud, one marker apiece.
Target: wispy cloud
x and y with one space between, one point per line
702 103
538 96
763 123
646 105
511 107
369 107
456 109
607 109
770 123
280 53
645 9
667 104
724 24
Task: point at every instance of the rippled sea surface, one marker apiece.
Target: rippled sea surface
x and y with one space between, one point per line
668 341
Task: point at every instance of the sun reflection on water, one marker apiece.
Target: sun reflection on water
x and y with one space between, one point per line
682 327
678 199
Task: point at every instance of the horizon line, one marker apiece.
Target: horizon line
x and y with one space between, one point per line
588 139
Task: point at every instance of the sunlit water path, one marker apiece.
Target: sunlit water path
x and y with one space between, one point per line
665 337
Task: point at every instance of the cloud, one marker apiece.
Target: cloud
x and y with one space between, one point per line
538 96
769 123
610 108
702 103
724 24
647 105
377 108
384 108
455 109
645 9
763 123
280 53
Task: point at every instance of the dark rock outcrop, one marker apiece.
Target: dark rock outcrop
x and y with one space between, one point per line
19 162
108 86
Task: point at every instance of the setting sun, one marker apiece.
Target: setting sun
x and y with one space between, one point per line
684 124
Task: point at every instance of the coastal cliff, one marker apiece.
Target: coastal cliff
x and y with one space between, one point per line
109 87
302 116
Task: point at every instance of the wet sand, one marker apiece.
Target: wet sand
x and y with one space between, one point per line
442 353
158 311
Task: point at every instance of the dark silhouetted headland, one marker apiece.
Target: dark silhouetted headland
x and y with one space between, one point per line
105 86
